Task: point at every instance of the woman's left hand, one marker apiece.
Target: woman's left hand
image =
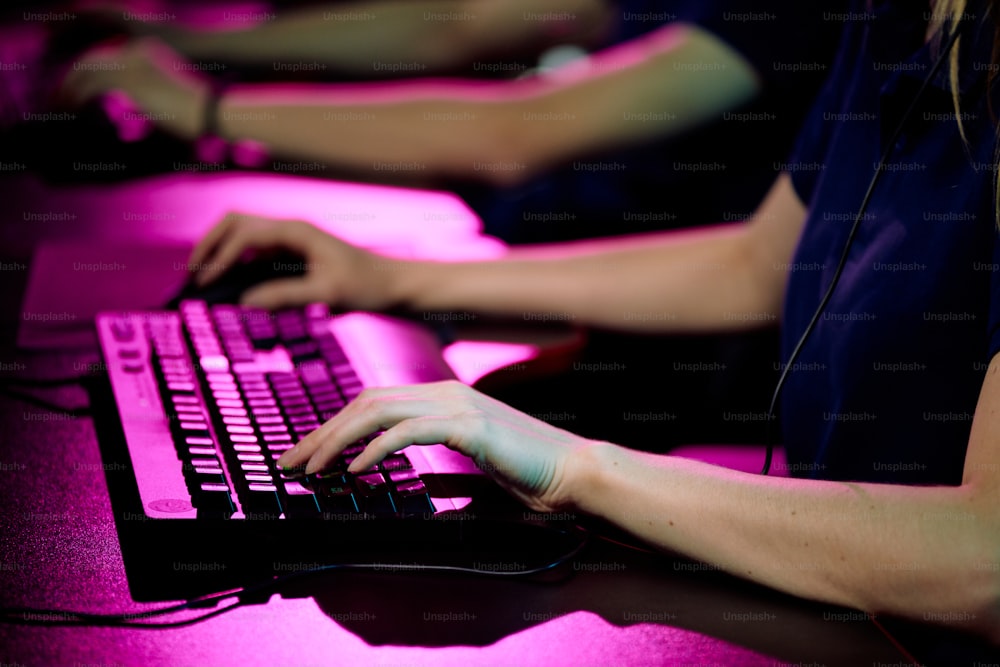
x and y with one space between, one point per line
533 460
157 80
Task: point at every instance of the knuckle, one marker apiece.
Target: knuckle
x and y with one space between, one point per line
366 396
368 407
453 387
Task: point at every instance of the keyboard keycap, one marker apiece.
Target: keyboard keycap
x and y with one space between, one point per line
414 501
300 501
213 501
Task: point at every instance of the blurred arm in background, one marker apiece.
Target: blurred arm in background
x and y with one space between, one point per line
354 37
500 132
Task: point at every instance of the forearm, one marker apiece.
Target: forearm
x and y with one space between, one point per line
357 37
426 130
498 132
673 282
918 552
705 279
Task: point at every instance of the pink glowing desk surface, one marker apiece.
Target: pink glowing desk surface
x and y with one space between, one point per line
100 242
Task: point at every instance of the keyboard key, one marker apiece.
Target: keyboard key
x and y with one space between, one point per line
335 405
314 372
304 417
194 426
397 476
270 419
213 501
395 462
412 498
336 500
123 330
180 386
261 502
214 362
300 501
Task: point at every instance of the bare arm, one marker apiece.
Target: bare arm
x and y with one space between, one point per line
438 34
926 553
654 87
726 277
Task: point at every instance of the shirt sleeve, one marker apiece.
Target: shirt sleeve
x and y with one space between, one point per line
782 39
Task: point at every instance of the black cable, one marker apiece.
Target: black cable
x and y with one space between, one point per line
879 169
59 617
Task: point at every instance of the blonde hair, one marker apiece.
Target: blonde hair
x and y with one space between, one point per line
946 16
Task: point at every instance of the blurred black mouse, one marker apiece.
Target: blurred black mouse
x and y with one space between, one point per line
240 277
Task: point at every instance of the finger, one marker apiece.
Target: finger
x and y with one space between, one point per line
426 430
376 410
254 232
232 246
301 452
281 293
207 244
326 447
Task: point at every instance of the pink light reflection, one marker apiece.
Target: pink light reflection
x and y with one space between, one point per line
473 360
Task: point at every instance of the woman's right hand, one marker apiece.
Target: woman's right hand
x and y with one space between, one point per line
337 273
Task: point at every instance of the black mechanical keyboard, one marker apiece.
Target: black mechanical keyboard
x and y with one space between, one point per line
198 404
241 386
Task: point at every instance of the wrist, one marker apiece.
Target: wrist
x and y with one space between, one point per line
588 474
406 281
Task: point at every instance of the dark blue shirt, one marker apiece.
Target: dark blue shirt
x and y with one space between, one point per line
716 172
887 383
